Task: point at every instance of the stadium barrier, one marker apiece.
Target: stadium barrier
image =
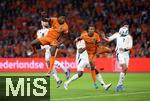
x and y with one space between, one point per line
39 65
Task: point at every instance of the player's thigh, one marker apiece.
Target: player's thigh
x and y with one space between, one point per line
127 58
92 59
121 58
47 55
43 40
81 65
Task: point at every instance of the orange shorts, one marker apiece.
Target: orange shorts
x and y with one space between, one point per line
48 41
103 49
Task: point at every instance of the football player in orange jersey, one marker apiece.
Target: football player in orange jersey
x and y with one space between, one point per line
92 40
57 34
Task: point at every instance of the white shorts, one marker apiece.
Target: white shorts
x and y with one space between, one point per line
123 58
47 53
81 64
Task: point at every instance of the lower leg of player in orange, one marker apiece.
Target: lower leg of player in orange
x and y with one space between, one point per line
93 75
52 60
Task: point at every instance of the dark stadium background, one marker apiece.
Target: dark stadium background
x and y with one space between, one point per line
20 19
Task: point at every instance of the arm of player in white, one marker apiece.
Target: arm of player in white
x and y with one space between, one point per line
129 43
113 37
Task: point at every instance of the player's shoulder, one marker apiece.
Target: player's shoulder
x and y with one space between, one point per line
53 18
84 33
65 24
116 34
129 36
96 34
39 30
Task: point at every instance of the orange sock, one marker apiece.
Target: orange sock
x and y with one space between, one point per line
93 75
52 60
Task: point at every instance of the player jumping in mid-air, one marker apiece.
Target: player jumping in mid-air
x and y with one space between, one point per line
123 45
40 33
56 35
87 57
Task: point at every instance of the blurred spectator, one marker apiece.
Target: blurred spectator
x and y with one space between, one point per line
20 21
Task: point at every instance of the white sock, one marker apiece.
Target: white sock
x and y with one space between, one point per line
58 64
121 78
74 77
100 79
54 73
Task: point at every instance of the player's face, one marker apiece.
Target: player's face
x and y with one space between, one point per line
61 20
44 24
91 31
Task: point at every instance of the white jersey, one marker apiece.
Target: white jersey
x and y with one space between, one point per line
41 33
124 42
83 55
82 59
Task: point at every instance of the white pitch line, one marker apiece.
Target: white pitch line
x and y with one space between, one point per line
85 97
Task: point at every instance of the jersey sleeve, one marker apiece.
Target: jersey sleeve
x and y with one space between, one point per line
53 19
82 35
114 36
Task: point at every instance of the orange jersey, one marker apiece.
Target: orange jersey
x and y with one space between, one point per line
91 42
54 32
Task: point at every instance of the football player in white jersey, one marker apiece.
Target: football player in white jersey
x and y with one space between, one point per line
40 33
124 43
82 61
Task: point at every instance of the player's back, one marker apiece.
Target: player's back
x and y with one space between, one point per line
54 31
91 42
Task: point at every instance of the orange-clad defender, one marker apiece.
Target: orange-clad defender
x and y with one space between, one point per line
92 40
57 34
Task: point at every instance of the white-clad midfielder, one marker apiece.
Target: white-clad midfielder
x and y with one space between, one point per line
43 32
82 61
124 43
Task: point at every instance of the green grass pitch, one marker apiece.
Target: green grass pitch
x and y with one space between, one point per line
137 87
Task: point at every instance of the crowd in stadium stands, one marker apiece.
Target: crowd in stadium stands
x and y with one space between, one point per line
20 19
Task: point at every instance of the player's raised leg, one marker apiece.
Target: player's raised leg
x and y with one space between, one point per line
52 58
36 44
